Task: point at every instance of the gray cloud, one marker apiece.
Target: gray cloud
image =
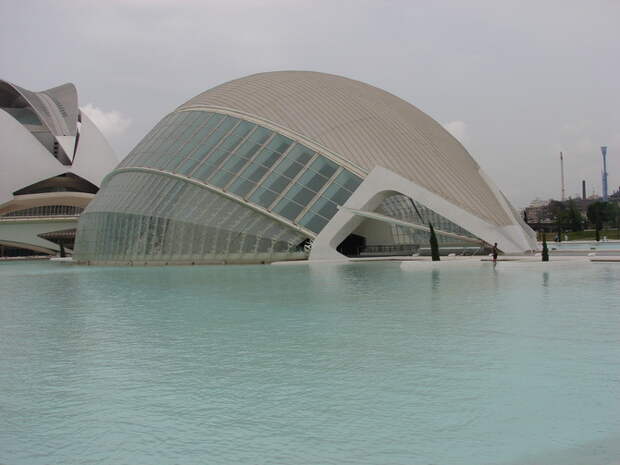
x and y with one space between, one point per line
111 123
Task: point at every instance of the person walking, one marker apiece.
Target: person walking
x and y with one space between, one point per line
494 252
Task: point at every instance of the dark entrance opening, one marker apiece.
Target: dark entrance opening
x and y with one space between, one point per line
10 251
352 245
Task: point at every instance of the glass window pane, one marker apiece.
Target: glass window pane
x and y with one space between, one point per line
312 180
221 179
325 207
180 133
203 171
313 222
187 166
235 164
213 139
254 172
288 209
276 182
300 154
324 166
348 180
260 136
338 194
202 135
263 197
241 187
268 157
248 149
300 194
279 144
217 156
289 167
236 136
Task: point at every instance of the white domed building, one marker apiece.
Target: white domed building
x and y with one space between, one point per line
294 165
52 161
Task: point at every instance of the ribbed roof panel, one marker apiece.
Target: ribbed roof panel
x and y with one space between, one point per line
56 107
365 125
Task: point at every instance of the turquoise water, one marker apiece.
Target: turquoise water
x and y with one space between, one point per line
454 363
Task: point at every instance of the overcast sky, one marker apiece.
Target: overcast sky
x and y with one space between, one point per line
516 81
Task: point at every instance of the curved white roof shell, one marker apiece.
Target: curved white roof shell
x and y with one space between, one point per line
289 165
367 127
33 122
56 107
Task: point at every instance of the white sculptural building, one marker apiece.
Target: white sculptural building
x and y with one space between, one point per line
294 165
52 161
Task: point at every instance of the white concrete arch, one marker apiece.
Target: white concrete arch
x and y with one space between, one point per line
382 183
24 233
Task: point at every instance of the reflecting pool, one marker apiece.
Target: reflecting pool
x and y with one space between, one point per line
368 363
593 245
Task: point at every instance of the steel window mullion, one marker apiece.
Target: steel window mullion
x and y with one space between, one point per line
250 161
216 146
147 141
318 195
270 170
172 127
293 182
165 130
168 144
234 151
185 138
198 129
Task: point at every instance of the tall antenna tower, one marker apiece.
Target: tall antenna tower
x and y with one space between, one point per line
562 170
604 152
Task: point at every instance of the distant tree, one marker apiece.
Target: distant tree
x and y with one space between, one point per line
558 213
545 250
598 214
434 244
572 217
614 209
555 208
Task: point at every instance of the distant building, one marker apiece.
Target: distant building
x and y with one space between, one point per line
290 165
52 161
540 214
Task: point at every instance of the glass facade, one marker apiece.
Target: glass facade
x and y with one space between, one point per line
402 207
151 218
248 161
25 116
46 211
143 217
